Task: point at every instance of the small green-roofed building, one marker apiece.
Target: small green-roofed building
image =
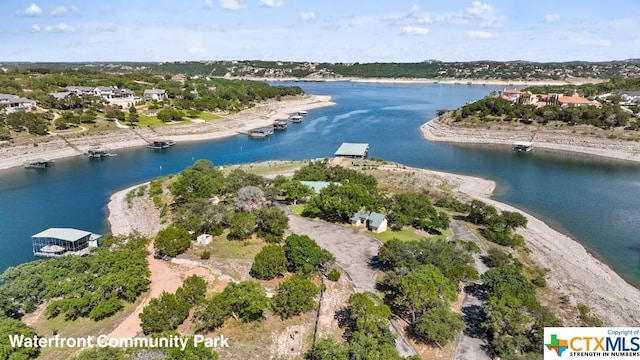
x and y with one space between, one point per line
317 186
55 242
353 150
377 222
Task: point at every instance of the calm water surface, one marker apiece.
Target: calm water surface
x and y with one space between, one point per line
594 200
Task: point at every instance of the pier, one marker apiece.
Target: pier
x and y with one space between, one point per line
261 133
39 164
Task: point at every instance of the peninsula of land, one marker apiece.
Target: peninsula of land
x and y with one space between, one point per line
262 114
572 270
580 139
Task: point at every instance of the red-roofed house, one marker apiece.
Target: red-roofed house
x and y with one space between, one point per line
576 100
179 77
512 94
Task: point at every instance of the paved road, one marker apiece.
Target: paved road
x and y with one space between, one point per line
471 342
353 251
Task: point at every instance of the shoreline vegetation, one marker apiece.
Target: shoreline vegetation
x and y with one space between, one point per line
588 141
573 271
263 114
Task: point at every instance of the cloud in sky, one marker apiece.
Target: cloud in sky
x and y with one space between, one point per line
32 10
64 10
232 5
478 34
551 18
59 28
415 30
271 3
306 16
367 31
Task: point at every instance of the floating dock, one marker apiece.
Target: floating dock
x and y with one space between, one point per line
39 164
296 119
261 133
160 144
522 146
97 152
280 125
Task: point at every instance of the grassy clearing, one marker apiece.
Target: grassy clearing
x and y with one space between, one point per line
297 209
408 234
207 116
146 120
234 249
78 329
269 168
259 340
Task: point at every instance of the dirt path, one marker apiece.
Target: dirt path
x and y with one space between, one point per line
472 342
354 252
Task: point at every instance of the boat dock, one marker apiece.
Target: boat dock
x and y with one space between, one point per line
56 242
280 125
295 119
160 144
522 146
261 133
97 152
39 164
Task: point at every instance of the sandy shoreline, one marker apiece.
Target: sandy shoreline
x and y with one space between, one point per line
445 81
563 140
262 114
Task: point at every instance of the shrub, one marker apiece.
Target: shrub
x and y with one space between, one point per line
172 241
334 275
205 255
270 262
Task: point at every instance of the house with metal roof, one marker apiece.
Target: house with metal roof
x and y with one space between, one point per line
56 242
317 186
377 222
353 150
373 221
155 94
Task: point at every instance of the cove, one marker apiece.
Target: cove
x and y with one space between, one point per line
594 200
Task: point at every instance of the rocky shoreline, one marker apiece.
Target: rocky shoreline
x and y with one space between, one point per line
263 114
554 139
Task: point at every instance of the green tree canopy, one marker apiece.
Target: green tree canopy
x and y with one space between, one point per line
302 251
270 262
293 297
172 241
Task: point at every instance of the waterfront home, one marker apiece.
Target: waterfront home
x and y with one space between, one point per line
61 95
81 90
511 94
373 221
178 77
576 100
630 97
352 150
155 94
55 242
17 103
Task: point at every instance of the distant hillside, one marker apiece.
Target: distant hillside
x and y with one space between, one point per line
431 69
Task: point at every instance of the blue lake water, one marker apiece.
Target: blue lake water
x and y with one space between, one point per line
594 200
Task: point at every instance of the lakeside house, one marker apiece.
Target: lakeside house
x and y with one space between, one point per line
576 100
81 90
154 94
14 103
629 97
104 92
55 242
373 221
179 78
62 95
352 150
